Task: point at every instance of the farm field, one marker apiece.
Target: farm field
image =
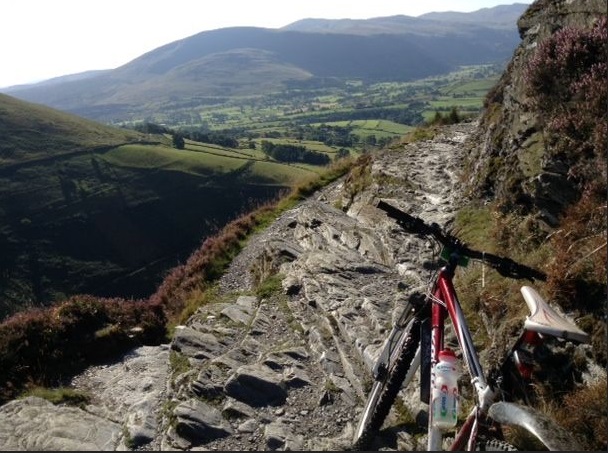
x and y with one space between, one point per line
371 114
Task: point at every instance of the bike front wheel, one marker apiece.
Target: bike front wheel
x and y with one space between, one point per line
386 387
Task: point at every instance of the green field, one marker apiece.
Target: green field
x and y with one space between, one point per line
210 160
384 110
379 128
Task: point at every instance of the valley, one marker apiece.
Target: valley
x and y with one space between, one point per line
109 179
332 102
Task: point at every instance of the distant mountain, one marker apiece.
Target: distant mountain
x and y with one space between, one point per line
244 61
443 23
501 15
61 79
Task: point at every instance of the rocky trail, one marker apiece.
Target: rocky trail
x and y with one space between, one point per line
284 369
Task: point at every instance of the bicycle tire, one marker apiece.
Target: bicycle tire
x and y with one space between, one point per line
384 392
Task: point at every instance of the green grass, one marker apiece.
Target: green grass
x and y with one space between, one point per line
165 158
61 395
472 226
178 363
379 128
31 131
476 87
464 102
270 286
244 153
308 144
205 163
282 173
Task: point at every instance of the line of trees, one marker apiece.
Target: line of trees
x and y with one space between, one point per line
410 116
294 153
216 138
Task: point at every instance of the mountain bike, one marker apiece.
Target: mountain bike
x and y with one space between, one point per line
417 337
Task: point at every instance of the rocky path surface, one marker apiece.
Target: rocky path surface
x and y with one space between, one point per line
287 368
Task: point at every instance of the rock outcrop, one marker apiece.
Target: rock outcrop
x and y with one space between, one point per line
511 162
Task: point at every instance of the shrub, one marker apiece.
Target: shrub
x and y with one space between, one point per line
270 286
566 81
206 264
584 412
62 395
451 118
577 270
44 346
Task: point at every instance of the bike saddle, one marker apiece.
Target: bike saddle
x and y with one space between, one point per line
546 320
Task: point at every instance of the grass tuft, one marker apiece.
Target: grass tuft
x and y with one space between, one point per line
61 395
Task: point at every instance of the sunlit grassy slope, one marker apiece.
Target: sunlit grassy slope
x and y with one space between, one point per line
209 160
31 131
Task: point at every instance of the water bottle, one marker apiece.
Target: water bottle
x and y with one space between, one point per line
444 395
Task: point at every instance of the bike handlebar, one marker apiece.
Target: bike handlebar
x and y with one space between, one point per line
505 266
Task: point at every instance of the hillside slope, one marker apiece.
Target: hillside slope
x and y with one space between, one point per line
265 370
33 131
88 208
435 23
278 355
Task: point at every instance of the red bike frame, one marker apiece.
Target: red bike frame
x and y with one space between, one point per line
445 303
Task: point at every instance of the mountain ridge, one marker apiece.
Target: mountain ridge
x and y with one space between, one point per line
434 22
395 54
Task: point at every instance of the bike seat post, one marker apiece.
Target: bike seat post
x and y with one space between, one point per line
523 352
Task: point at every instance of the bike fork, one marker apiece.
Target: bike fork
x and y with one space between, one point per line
435 439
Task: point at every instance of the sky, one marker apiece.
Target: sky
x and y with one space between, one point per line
41 39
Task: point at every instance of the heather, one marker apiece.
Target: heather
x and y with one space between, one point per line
566 80
43 347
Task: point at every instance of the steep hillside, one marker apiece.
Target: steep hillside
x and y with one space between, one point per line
277 354
32 132
521 162
543 145
237 61
87 208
